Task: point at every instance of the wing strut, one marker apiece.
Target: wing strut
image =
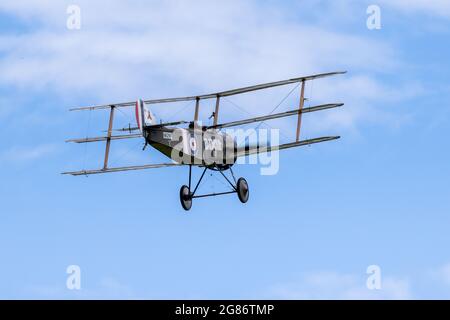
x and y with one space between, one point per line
108 139
302 103
197 109
216 112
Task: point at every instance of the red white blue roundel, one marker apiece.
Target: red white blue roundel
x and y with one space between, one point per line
193 145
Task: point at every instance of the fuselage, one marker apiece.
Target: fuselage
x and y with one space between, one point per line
194 145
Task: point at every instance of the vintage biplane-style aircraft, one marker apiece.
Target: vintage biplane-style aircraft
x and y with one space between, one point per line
189 143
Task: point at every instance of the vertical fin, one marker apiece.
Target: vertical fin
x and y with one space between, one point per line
139 110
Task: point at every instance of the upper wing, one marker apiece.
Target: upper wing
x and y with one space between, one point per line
246 151
216 94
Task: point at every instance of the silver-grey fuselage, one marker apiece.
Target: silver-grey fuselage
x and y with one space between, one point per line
195 146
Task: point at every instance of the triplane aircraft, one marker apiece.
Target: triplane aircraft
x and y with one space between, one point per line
183 141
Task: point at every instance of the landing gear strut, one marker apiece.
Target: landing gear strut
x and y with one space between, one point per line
240 187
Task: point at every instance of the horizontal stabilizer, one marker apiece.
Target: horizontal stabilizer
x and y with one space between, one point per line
276 116
121 169
97 139
129 129
246 151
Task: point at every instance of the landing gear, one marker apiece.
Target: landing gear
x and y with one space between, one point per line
242 190
185 198
240 187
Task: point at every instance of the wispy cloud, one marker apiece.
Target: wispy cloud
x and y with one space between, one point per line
20 154
332 285
157 49
442 274
105 288
432 7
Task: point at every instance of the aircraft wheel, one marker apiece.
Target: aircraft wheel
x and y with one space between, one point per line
185 198
242 190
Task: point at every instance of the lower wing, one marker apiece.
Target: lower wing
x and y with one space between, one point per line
120 169
249 150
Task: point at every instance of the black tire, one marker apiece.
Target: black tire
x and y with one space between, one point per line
185 198
242 190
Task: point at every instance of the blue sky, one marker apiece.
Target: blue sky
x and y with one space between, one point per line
377 196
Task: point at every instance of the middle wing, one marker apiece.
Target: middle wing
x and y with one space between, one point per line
276 115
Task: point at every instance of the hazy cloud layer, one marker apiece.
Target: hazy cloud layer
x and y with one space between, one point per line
332 285
19 154
431 7
158 49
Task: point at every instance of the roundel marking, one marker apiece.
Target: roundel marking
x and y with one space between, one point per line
193 144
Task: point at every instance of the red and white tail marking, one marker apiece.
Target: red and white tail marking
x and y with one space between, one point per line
144 116
139 112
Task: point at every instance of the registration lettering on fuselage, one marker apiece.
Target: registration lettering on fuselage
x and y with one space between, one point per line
167 135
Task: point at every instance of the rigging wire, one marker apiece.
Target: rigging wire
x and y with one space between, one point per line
128 116
124 114
238 107
179 111
120 157
310 93
253 116
273 110
281 102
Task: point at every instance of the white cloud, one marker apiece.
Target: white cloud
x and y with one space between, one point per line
24 154
106 288
158 49
433 7
332 285
5 107
182 42
442 274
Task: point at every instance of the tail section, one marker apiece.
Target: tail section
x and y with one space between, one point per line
144 116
